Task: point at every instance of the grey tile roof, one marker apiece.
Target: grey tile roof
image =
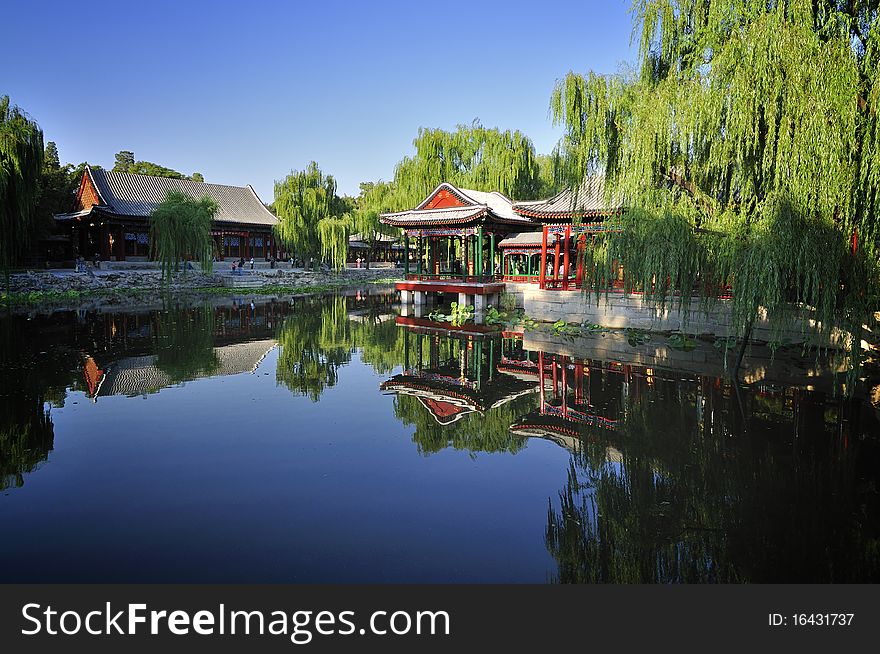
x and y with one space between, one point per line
526 239
138 195
134 376
586 200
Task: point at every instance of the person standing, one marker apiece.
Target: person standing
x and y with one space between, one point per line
252 263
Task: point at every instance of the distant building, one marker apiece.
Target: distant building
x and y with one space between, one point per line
111 217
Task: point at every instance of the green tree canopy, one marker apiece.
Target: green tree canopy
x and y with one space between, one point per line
21 163
126 163
180 227
472 156
302 200
756 121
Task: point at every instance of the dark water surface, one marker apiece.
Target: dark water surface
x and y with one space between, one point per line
319 440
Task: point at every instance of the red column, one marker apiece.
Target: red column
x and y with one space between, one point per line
579 275
119 244
556 262
565 386
565 259
542 279
555 379
105 242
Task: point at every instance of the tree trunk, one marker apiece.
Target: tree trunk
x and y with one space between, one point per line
742 349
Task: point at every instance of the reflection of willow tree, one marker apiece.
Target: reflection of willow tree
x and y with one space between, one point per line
184 342
27 386
690 503
315 342
489 432
318 338
26 437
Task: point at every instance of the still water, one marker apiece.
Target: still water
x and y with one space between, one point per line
330 440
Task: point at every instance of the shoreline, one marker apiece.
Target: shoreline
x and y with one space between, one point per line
40 291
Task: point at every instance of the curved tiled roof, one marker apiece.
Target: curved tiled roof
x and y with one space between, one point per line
478 205
527 239
585 201
138 195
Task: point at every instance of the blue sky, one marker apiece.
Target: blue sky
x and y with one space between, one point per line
243 92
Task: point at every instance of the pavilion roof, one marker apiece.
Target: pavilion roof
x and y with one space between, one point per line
125 194
527 240
473 207
587 200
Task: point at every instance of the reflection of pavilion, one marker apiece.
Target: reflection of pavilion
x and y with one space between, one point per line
564 390
140 375
453 375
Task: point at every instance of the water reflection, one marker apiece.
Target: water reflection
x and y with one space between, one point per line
672 476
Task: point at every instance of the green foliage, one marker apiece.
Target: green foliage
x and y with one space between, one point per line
458 315
180 227
679 341
333 233
745 143
636 337
184 343
473 156
21 163
495 317
124 162
302 200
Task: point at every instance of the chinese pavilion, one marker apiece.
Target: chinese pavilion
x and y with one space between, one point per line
552 257
456 232
112 211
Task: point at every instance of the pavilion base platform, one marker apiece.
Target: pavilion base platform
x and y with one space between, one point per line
480 295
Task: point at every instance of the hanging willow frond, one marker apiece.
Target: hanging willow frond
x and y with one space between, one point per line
180 227
302 200
754 121
334 233
21 162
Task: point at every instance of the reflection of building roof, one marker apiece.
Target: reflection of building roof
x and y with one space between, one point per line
448 399
585 201
140 375
125 194
449 205
553 425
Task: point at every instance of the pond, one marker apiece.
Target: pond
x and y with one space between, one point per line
332 440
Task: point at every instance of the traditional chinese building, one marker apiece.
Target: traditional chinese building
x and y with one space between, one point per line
111 217
567 222
456 233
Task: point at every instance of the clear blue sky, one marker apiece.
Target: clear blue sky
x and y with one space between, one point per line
245 91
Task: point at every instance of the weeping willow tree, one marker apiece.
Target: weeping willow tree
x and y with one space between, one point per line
180 227
333 233
21 164
302 200
746 147
375 198
473 156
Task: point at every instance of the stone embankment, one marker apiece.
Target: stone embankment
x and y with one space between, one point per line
67 288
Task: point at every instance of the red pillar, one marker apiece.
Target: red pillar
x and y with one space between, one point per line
542 279
565 259
565 386
105 242
579 275
556 262
555 379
